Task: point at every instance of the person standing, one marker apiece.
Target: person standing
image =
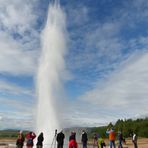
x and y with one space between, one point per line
72 136
84 139
120 139
30 137
111 133
101 143
60 139
40 140
134 140
20 140
95 138
72 141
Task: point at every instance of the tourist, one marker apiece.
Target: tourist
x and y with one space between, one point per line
40 140
111 137
120 139
101 143
20 140
134 140
72 141
95 138
84 139
60 139
30 137
72 136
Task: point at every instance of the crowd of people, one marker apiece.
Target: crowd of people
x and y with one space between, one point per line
97 139
29 137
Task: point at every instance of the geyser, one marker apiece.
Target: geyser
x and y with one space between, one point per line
49 76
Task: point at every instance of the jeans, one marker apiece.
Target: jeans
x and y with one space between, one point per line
120 144
84 144
112 143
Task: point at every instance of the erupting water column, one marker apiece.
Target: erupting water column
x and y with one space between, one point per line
51 66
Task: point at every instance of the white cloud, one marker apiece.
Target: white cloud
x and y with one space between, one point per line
124 88
18 37
19 44
17 106
78 15
81 113
18 111
15 123
105 40
133 13
7 87
98 47
125 91
123 94
17 15
13 59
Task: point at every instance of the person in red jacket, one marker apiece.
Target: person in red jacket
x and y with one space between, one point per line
72 141
30 137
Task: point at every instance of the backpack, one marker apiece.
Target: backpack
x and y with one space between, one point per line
30 141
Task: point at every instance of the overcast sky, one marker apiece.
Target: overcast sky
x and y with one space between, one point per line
106 75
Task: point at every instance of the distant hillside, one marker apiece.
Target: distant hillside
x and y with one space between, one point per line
127 126
10 133
139 126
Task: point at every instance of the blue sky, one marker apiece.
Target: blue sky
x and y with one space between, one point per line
106 73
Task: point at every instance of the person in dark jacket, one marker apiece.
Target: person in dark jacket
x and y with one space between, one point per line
72 136
40 140
120 139
84 139
20 140
60 139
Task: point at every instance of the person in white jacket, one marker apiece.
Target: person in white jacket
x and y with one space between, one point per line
134 140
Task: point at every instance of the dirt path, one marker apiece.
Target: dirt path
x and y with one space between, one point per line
142 143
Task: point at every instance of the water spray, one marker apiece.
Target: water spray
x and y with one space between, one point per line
49 75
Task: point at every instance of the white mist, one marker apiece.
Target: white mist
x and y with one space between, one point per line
49 77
